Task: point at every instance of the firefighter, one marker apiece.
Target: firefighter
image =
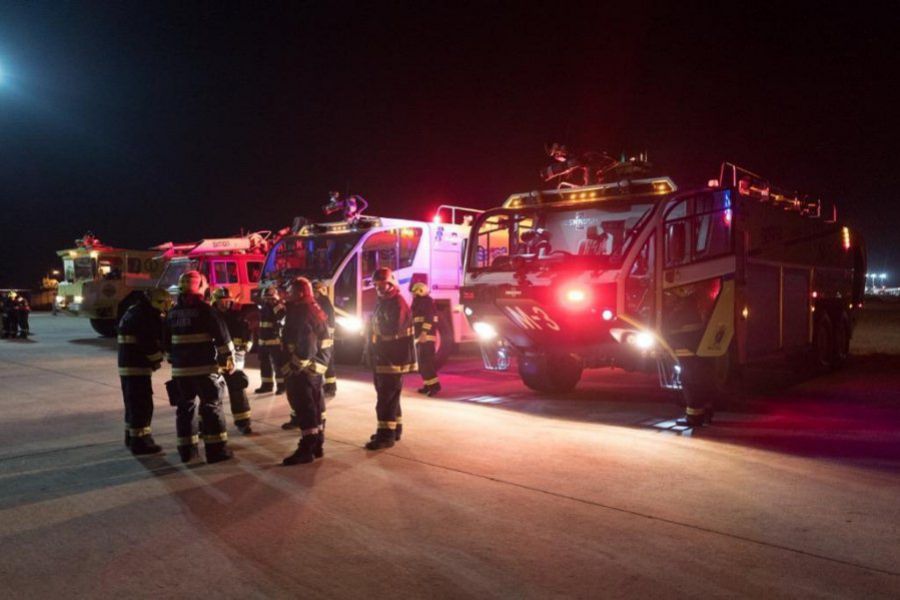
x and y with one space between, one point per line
140 353
329 388
271 315
236 382
22 311
10 315
307 349
424 315
390 351
196 339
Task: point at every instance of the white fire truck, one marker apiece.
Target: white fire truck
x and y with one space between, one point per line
640 275
344 255
99 281
235 263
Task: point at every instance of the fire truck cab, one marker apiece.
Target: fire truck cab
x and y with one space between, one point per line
637 274
234 263
99 281
345 254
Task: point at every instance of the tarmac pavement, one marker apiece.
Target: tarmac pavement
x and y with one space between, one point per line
494 491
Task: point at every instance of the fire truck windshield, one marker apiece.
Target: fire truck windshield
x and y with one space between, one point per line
595 235
316 256
174 270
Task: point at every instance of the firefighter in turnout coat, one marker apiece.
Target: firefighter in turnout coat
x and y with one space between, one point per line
391 353
307 350
140 353
198 345
425 318
321 290
271 316
237 381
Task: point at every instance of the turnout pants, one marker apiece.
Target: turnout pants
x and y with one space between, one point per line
209 389
270 366
137 393
425 353
387 408
304 393
330 383
237 395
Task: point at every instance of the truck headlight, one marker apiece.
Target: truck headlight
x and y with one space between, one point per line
348 323
78 299
60 299
485 331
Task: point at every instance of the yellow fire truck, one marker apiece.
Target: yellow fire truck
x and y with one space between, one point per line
99 281
634 273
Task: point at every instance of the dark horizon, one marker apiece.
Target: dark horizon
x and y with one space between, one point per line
147 123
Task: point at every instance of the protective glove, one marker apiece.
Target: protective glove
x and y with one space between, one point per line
228 367
156 365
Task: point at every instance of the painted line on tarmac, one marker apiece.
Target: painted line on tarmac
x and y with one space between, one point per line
634 513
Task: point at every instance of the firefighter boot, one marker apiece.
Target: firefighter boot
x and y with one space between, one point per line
319 450
264 388
188 453
383 438
696 417
218 452
144 445
294 423
127 438
280 390
244 426
433 389
305 452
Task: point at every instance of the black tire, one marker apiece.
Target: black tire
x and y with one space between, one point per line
105 327
557 373
841 341
822 353
445 345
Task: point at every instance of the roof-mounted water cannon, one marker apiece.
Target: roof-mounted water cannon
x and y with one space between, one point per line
351 207
591 168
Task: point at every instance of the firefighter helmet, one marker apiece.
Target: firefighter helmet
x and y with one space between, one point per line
419 288
159 299
192 282
221 293
384 274
320 287
270 293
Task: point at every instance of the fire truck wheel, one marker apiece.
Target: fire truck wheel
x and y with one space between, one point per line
822 355
841 339
105 327
445 343
557 373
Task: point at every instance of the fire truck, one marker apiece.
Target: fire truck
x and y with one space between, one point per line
99 281
344 254
633 272
235 263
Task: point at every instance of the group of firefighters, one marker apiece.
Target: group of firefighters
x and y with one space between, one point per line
205 344
15 310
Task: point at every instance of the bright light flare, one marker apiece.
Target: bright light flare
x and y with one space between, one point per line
60 299
576 295
643 340
485 331
349 323
79 299
607 315
436 219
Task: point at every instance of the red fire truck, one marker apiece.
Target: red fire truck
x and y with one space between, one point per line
235 263
635 273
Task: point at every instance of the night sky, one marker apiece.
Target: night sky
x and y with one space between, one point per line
148 122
